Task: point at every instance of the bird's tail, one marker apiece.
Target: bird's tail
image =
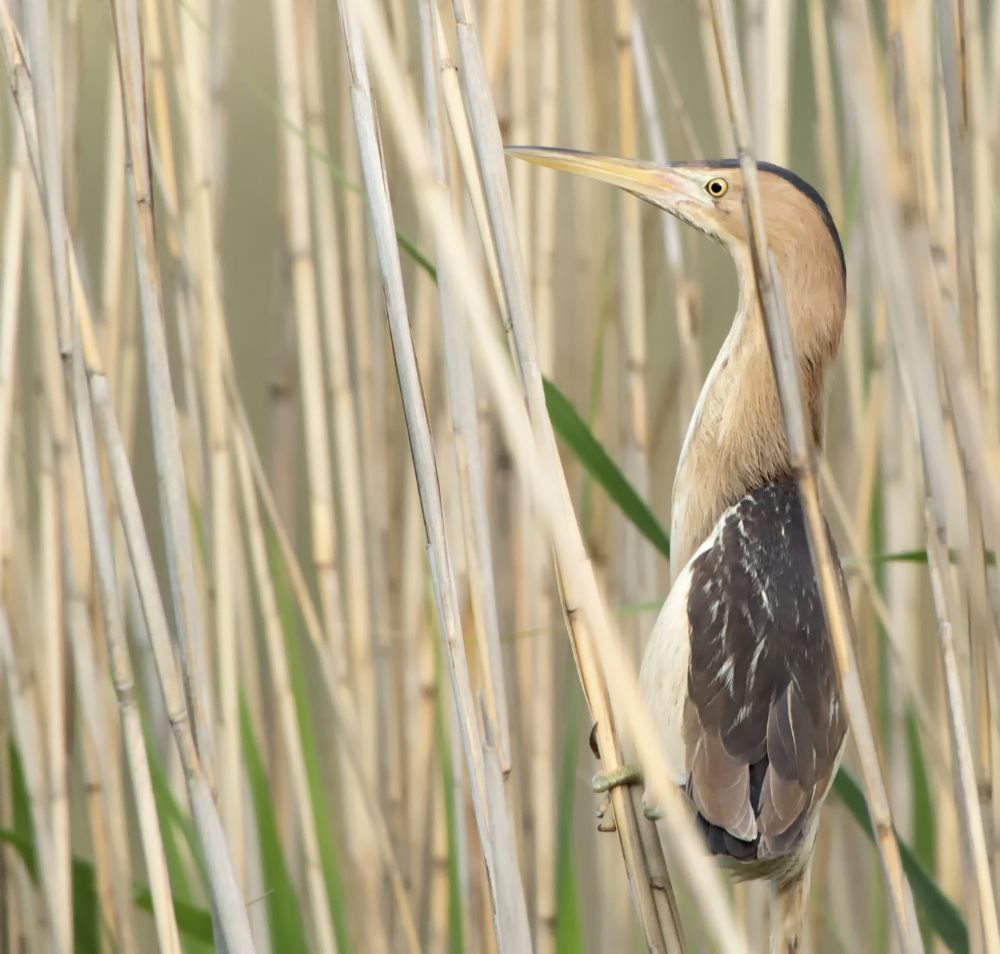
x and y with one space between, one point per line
788 911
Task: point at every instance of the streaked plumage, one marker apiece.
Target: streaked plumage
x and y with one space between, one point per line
738 671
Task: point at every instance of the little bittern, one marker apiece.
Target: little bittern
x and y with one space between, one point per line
738 672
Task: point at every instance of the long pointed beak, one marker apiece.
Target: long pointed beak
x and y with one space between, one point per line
664 186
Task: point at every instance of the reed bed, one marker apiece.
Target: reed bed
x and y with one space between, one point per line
336 451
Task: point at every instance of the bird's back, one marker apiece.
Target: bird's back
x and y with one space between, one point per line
741 679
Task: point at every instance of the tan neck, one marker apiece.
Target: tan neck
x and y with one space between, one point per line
736 438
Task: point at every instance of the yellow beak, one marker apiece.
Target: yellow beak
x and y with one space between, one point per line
663 186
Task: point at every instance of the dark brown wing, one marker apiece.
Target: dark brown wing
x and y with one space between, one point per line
763 724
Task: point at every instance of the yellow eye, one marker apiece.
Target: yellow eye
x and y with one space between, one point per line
717 188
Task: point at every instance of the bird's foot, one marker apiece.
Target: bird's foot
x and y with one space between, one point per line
606 782
651 811
623 775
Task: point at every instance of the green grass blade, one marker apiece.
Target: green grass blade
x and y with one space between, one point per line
193 922
943 917
22 813
569 929
924 823
597 462
283 912
324 835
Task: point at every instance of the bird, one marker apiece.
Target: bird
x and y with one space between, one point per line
738 671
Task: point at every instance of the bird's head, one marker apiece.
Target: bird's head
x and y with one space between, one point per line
709 196
736 438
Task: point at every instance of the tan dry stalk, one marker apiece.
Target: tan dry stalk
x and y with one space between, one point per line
655 907
417 651
452 94
985 231
153 58
226 896
468 450
298 236
966 796
114 228
52 472
835 604
586 606
222 553
638 567
104 778
166 440
290 734
114 632
539 576
344 717
342 395
520 121
27 733
507 893
778 15
710 51
353 660
685 293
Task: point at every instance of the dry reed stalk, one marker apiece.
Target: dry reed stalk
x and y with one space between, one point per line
579 583
114 631
52 658
685 294
53 451
717 92
963 765
298 235
835 604
234 930
778 16
341 704
956 66
520 120
166 441
417 650
638 567
342 395
27 732
205 267
452 95
656 908
890 622
468 454
153 59
290 734
104 780
114 227
507 893
542 738
352 656
985 232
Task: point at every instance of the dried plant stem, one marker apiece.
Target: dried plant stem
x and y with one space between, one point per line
27 733
685 294
966 799
835 604
166 441
290 734
468 450
459 122
585 605
507 893
371 814
213 336
114 631
226 896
